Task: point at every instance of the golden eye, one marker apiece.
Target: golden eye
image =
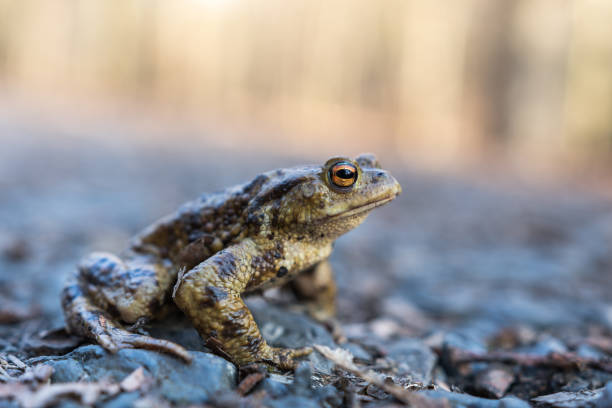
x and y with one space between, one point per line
343 174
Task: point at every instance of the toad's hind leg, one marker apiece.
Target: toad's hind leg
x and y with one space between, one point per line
107 291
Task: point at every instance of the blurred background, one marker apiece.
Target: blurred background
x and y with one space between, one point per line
494 115
525 83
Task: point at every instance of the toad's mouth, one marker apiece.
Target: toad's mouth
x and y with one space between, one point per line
362 208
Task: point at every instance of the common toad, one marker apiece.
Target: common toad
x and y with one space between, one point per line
215 249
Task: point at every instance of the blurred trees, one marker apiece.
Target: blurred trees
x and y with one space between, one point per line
446 80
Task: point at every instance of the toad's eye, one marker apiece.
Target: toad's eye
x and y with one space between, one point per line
343 174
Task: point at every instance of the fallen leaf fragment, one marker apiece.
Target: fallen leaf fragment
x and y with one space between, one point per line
344 359
56 341
493 382
135 380
17 362
11 390
12 312
40 373
603 343
575 399
3 374
51 394
153 402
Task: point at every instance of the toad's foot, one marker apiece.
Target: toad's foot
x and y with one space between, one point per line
86 319
115 339
283 358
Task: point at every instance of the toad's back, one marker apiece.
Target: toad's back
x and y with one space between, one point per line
212 221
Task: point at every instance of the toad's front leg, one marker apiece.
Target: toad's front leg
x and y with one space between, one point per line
210 295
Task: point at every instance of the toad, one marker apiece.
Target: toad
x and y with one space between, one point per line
214 250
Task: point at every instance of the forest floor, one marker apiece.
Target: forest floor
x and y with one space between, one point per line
459 293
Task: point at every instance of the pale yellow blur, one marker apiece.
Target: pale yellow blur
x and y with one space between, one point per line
529 81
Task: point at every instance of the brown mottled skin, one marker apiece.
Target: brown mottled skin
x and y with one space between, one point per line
213 250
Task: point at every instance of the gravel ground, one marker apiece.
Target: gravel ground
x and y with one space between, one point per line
459 293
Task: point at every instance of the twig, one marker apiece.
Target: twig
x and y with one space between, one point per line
558 360
51 394
250 381
16 361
